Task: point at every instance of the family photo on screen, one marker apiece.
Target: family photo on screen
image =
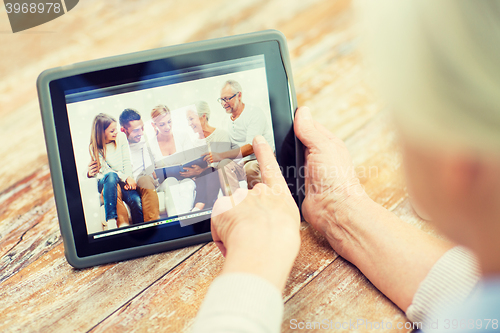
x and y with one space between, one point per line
149 163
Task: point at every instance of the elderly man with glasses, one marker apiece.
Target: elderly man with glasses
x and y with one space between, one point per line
246 122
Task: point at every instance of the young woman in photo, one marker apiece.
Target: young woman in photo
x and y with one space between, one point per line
112 167
181 193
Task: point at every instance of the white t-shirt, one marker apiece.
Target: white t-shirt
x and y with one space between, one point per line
140 157
220 136
251 122
217 142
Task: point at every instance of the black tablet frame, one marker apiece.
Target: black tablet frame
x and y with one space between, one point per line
81 249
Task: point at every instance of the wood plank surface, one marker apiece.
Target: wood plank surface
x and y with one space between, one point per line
29 228
51 296
323 301
41 292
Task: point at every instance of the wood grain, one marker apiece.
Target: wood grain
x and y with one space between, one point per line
51 296
323 300
171 304
29 228
377 161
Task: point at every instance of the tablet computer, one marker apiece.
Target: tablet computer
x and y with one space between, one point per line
109 123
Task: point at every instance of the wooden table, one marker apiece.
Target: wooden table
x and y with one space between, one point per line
41 292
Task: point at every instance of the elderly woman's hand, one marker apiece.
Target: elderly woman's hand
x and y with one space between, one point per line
258 230
212 157
331 185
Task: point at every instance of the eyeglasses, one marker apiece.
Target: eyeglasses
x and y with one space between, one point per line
226 99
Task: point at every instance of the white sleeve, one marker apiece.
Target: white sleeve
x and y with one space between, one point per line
240 302
448 284
127 162
220 141
257 125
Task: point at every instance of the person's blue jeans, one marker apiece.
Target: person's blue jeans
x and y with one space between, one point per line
107 185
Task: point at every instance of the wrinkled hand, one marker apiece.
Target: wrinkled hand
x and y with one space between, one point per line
193 171
260 234
92 169
130 184
331 184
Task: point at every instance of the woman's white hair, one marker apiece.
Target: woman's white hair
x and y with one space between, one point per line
438 63
202 108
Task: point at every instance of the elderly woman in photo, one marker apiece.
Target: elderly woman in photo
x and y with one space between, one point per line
209 140
223 154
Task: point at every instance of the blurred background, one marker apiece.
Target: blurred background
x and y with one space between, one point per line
321 36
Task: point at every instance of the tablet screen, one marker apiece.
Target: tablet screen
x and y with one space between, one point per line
167 107
142 145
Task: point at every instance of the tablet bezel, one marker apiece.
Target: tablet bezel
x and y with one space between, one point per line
81 253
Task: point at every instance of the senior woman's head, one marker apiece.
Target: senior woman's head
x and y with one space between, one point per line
198 116
438 65
203 111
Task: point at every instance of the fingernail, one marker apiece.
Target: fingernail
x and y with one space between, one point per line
260 139
306 113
